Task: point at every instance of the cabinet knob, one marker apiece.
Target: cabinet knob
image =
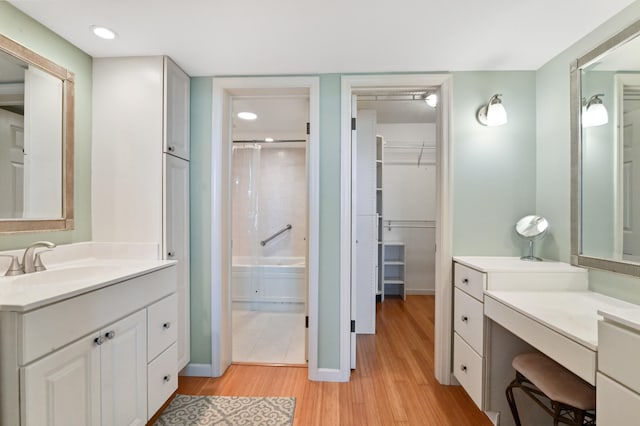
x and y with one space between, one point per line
166 325
171 148
463 368
464 318
166 378
465 281
110 335
98 340
171 254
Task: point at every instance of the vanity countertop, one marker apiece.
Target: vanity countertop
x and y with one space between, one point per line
629 316
62 281
574 314
515 264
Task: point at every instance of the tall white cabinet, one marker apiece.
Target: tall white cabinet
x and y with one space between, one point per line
140 164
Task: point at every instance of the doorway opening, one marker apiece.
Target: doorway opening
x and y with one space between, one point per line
269 229
426 144
228 94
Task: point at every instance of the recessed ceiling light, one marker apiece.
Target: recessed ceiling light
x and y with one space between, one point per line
268 139
247 115
103 32
431 99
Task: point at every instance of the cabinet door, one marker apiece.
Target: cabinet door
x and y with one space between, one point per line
124 371
63 389
177 244
176 102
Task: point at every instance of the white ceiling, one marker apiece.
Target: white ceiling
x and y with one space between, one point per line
258 37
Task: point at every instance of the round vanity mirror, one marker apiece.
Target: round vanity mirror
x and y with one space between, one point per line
532 227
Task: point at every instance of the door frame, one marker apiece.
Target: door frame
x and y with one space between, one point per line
444 221
223 89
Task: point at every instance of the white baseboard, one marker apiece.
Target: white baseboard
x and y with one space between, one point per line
330 375
197 370
420 292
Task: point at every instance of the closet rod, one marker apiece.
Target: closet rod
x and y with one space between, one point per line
273 141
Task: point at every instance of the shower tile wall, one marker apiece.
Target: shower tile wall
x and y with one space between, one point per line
281 201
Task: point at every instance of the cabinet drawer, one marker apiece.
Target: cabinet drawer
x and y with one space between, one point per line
615 404
467 367
468 320
162 379
469 280
618 350
162 320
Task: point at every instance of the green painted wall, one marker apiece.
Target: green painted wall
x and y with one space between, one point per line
200 196
553 144
24 30
493 167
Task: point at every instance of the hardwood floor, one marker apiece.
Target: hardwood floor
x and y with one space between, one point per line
392 385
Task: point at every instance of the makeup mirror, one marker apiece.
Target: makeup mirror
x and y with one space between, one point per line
531 228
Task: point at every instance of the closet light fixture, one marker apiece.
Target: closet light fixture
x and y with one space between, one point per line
493 114
431 99
245 115
268 139
103 32
594 113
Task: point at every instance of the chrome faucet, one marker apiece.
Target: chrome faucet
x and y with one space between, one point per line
30 261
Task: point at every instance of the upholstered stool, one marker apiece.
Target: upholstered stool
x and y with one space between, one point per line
572 400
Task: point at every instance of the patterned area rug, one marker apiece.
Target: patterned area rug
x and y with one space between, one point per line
228 410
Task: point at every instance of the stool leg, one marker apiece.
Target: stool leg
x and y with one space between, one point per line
512 401
579 416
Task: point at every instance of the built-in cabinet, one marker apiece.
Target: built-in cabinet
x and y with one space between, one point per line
618 377
140 167
103 357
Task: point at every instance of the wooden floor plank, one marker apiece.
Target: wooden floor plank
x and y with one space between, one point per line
394 383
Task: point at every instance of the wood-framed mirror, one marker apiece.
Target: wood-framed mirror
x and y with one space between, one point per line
605 155
36 141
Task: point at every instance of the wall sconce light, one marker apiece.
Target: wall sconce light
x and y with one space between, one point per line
493 114
431 99
594 113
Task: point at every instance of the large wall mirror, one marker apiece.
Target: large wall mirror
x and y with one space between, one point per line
36 141
605 178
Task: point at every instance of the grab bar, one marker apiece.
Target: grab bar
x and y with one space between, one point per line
286 228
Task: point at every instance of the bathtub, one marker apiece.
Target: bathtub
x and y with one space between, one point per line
259 282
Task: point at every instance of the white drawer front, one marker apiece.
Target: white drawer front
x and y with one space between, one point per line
615 404
468 320
162 379
467 367
162 320
618 350
469 280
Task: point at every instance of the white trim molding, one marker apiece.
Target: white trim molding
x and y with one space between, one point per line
223 89
197 370
441 82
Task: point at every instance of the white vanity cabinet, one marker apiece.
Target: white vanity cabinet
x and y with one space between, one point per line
140 166
104 357
618 377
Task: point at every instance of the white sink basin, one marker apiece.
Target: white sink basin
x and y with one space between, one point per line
65 275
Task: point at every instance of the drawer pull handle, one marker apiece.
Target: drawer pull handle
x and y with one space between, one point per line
166 378
463 368
110 335
171 148
465 281
465 318
98 340
171 254
166 325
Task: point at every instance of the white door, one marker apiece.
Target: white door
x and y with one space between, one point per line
124 371
631 186
177 245
176 103
354 222
11 164
63 389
